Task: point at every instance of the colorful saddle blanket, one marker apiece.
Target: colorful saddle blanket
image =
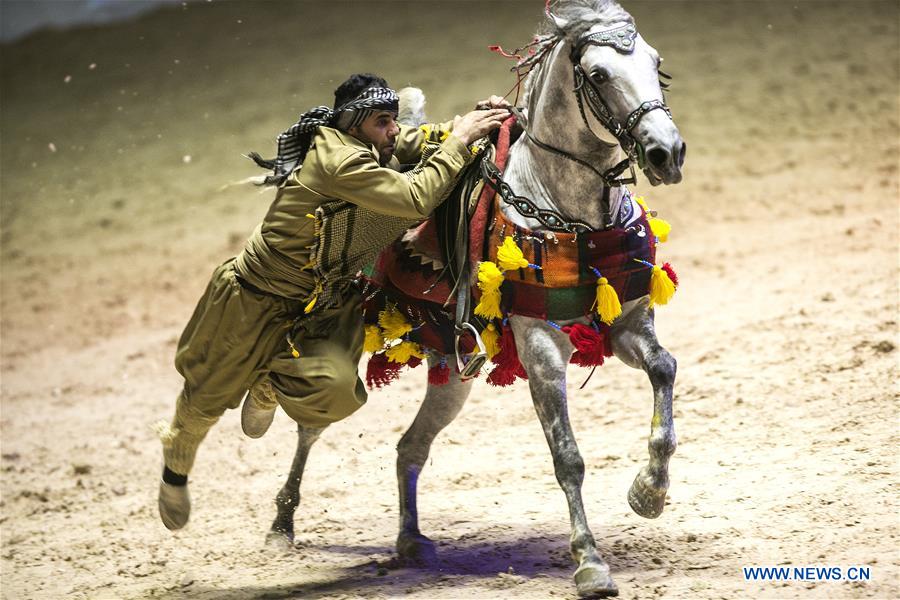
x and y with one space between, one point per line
565 284
411 275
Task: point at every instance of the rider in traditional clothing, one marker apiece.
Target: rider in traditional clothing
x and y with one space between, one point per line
245 333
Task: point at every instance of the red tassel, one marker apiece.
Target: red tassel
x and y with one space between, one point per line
501 377
603 328
507 360
507 346
590 345
671 273
499 50
439 374
380 371
413 362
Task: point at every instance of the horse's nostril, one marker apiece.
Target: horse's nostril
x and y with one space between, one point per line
682 154
657 157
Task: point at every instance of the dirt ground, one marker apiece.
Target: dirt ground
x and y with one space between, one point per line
116 142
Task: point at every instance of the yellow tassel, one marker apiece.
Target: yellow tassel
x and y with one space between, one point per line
509 255
393 323
431 135
490 278
661 287
315 296
294 352
426 133
660 228
608 305
489 305
374 340
402 352
491 339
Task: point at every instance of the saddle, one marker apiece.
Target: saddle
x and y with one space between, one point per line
427 273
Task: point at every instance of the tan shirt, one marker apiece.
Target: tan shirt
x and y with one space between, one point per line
339 166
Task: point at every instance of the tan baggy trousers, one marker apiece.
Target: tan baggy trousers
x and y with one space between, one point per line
236 337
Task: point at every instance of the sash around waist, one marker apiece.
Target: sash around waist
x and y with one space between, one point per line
272 273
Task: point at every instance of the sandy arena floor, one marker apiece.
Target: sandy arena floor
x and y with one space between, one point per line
116 142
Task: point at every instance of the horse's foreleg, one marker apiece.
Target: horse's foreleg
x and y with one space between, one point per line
282 530
441 405
545 352
634 343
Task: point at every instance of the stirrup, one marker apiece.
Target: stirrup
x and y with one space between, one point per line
470 369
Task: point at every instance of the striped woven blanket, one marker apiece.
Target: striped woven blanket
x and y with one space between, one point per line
409 275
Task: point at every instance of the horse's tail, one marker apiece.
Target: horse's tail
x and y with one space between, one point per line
412 107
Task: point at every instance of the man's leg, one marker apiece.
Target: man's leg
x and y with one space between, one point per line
322 385
231 333
180 442
258 410
316 389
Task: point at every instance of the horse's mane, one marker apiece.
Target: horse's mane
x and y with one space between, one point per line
575 17
580 15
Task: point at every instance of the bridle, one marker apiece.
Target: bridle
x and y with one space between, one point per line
622 39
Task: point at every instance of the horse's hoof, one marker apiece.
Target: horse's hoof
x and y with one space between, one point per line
592 580
416 549
646 499
279 540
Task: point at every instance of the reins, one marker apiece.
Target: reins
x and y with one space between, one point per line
550 219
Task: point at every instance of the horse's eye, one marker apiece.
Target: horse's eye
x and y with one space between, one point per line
599 76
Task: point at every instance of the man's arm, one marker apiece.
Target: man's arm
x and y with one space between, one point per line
359 179
411 140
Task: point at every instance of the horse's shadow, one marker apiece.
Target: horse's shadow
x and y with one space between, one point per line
471 556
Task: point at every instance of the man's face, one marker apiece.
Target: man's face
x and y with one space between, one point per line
379 129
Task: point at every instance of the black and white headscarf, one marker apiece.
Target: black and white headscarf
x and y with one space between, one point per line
294 143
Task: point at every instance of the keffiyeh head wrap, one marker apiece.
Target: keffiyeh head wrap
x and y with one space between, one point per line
294 143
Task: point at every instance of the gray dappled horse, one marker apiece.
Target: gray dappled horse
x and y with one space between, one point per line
593 97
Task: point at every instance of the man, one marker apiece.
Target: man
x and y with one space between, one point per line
245 333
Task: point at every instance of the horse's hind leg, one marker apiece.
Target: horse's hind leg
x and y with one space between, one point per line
545 353
441 405
282 531
634 343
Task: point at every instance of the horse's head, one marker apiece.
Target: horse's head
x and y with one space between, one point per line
617 87
617 73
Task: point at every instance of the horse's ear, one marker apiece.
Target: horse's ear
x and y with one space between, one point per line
412 107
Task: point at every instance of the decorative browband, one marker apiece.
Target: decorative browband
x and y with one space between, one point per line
621 38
